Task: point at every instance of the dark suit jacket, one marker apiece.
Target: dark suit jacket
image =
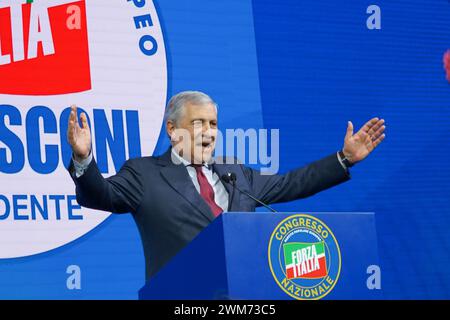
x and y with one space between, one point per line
168 210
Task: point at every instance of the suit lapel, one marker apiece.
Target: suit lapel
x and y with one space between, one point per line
178 178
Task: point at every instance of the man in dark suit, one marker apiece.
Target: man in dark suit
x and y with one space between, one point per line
174 196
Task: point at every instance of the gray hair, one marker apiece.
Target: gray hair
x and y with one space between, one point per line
175 106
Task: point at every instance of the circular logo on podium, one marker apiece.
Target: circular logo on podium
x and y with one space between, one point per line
304 257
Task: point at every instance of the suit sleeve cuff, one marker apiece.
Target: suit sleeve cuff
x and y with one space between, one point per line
81 167
342 163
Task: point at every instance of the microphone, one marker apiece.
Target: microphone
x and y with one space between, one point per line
231 179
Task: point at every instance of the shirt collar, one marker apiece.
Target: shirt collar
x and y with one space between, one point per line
187 163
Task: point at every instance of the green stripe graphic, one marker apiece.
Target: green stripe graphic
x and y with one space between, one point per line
289 248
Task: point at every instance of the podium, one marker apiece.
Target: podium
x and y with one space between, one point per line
274 256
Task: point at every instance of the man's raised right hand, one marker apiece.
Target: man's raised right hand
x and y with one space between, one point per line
79 137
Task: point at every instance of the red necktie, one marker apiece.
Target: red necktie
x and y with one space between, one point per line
206 191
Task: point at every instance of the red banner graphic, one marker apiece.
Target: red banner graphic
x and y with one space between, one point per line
44 50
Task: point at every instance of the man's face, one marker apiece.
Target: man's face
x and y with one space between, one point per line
198 125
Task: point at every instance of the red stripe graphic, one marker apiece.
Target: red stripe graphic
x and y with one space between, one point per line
316 274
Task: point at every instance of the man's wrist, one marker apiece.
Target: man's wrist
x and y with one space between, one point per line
80 158
81 165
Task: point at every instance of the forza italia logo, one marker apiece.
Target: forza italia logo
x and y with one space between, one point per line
304 257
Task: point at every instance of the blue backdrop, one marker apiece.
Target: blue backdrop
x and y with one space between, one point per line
305 67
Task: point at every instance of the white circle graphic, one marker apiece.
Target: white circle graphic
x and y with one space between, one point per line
123 79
